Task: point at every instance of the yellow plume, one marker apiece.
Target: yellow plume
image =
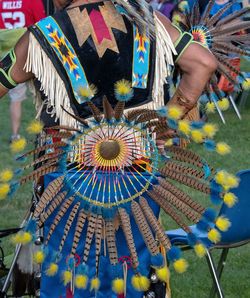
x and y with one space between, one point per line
22 238
118 286
163 274
174 112
180 265
4 190
95 284
197 136
222 223
38 257
230 199
67 276
214 236
200 250
246 84
210 130
210 107
222 148
140 283
123 87
52 269
81 281
184 127
169 143
35 127
6 175
223 104
18 145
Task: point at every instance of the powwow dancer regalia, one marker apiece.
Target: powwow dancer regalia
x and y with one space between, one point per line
101 159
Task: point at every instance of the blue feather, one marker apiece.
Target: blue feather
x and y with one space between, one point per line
174 253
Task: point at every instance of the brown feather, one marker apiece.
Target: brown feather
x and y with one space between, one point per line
77 118
43 170
89 236
111 243
215 18
144 229
52 206
107 108
49 193
119 109
63 209
126 227
95 111
98 239
78 231
156 226
68 225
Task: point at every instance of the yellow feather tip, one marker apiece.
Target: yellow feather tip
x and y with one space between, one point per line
223 104
169 143
230 199
184 127
4 190
222 223
67 276
18 145
174 112
52 269
6 175
81 281
200 250
95 284
140 283
163 274
222 148
197 136
246 84
180 265
220 177
22 238
118 286
210 107
35 127
123 87
210 130
38 257
214 235
87 92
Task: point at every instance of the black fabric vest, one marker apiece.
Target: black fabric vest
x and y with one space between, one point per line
103 72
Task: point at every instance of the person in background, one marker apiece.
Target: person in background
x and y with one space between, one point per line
166 7
13 15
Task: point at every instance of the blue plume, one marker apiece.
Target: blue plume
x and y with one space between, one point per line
157 261
192 239
209 145
206 170
174 253
210 215
202 225
162 111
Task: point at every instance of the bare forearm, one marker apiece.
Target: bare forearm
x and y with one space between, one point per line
3 91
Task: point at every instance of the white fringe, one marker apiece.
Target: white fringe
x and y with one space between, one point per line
51 84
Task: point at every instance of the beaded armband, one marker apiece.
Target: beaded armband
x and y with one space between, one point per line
6 65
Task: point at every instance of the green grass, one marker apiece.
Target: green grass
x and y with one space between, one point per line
196 282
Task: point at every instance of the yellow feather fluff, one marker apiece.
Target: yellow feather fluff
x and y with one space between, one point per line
197 136
232 181
118 286
220 177
4 190
246 84
222 223
163 274
210 130
222 148
223 104
184 127
38 257
35 127
123 87
214 235
6 175
87 92
169 143
67 276
52 269
22 238
95 284
180 265
174 112
230 199
200 250
210 107
18 145
81 281
140 283
176 19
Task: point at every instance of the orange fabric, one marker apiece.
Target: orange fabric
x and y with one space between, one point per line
224 84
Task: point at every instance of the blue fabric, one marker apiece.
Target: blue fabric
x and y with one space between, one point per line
53 287
238 216
216 7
